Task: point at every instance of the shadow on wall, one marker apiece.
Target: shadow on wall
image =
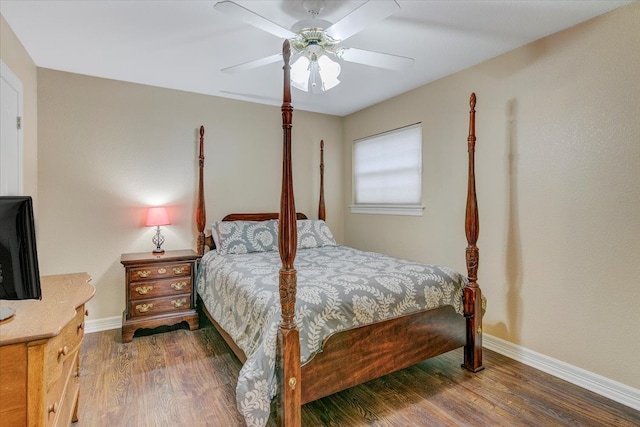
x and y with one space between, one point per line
513 262
513 251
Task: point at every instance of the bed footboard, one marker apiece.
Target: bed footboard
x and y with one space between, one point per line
358 355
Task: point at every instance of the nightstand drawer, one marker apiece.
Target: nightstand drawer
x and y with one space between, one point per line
162 271
159 305
159 288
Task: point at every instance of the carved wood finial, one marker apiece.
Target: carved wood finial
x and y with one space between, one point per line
472 101
286 51
287 109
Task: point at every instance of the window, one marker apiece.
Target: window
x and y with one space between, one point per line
387 172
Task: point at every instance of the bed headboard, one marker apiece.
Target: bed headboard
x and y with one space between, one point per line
204 241
260 216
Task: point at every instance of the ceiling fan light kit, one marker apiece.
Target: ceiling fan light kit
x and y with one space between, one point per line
316 42
315 74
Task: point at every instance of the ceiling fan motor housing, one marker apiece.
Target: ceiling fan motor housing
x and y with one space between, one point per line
312 33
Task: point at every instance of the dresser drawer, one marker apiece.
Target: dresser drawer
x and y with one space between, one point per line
156 306
162 271
159 288
63 346
62 394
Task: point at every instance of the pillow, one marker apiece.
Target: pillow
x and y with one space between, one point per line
314 233
241 237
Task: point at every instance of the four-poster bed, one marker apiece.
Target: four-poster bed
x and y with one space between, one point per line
366 345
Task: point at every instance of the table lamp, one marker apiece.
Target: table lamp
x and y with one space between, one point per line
155 218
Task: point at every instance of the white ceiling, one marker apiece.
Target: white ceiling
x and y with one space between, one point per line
184 44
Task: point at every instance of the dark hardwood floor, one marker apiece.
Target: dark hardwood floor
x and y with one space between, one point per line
183 378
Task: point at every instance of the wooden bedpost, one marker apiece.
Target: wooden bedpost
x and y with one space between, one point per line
321 208
472 293
288 343
201 215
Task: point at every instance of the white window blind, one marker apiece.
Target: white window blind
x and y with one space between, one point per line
387 172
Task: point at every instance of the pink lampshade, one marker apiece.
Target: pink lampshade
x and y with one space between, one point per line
157 216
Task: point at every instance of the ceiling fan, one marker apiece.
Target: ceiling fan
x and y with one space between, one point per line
316 43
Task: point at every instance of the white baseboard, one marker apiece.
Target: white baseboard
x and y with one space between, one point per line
104 324
610 389
603 386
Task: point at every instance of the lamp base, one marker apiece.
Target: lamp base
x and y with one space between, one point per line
158 240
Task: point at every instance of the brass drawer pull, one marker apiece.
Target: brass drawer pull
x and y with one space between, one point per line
178 286
52 408
144 273
143 290
162 270
80 327
179 270
143 308
63 351
177 303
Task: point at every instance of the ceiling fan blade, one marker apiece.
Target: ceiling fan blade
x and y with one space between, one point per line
253 64
251 96
364 15
243 14
375 59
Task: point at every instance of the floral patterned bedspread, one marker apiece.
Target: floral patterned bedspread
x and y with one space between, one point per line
338 288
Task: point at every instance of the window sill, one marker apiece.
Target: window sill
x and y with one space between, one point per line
410 210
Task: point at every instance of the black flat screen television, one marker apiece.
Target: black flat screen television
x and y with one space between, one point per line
19 272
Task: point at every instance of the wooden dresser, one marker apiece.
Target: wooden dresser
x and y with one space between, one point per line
159 290
39 354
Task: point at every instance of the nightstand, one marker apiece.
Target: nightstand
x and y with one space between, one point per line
159 290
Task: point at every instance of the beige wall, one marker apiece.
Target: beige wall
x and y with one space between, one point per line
558 174
18 60
109 149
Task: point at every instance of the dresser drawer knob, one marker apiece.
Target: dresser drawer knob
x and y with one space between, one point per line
178 286
177 303
179 270
143 290
80 327
162 270
143 308
52 409
144 273
63 351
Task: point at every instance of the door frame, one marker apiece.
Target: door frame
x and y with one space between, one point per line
12 80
